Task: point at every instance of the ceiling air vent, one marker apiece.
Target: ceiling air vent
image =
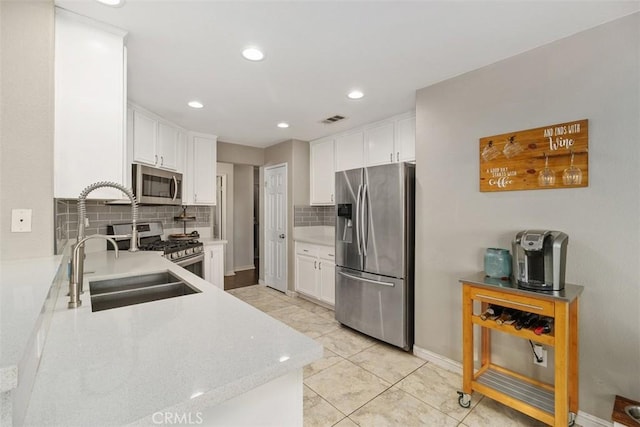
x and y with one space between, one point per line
333 119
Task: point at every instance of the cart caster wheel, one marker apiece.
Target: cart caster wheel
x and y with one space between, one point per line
572 419
464 400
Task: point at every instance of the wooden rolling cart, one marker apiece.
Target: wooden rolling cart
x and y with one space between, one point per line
554 404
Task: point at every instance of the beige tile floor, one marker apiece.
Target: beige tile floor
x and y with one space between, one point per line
363 382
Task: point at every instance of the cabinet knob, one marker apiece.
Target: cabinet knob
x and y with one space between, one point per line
315 264
398 156
391 157
156 159
161 160
281 236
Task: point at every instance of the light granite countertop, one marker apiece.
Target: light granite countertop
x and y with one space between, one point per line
120 366
319 235
24 285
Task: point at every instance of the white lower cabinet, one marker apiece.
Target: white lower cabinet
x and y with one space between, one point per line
315 271
214 264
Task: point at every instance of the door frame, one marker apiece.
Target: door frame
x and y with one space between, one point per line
285 221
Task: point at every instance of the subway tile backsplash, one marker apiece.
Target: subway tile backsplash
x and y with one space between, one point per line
308 216
100 215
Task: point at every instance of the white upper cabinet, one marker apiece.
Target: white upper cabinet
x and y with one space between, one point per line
90 106
155 141
405 139
322 172
349 151
200 175
167 146
379 144
392 140
145 136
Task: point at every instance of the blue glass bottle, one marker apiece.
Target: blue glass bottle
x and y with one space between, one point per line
497 263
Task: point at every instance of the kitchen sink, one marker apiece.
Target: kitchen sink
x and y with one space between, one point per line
633 411
124 291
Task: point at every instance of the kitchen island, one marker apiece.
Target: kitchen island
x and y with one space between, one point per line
205 358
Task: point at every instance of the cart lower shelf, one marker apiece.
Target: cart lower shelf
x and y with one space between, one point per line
516 388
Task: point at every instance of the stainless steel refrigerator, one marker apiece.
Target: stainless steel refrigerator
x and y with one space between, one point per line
375 251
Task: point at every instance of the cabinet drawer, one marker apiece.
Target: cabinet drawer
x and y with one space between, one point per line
327 252
307 249
519 302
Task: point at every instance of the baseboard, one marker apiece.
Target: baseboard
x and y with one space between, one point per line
230 273
583 419
244 268
587 420
438 360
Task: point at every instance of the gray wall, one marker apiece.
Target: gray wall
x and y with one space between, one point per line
26 129
240 154
295 154
593 75
243 217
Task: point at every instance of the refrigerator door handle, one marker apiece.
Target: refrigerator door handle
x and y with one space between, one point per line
358 219
362 279
364 225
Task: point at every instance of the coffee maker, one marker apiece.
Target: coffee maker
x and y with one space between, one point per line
539 259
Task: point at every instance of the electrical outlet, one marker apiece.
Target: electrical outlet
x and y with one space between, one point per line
21 220
542 354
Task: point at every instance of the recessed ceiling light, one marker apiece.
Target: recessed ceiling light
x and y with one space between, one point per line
355 94
283 125
195 104
112 3
253 54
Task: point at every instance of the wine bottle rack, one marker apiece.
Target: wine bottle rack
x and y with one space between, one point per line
555 404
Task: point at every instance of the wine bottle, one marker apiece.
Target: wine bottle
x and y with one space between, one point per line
526 320
507 317
544 326
492 312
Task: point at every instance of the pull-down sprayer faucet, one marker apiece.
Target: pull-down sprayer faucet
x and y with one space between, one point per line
77 260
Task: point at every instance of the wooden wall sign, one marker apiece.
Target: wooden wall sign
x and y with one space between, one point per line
553 156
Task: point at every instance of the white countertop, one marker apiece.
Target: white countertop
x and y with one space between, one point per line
24 286
211 241
120 366
320 235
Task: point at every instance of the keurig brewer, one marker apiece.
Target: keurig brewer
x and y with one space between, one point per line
539 258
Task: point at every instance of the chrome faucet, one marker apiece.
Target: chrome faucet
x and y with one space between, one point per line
76 277
75 284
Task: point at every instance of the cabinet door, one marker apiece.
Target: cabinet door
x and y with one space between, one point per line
326 269
306 281
144 138
379 145
167 146
203 172
90 99
322 172
349 151
214 265
406 139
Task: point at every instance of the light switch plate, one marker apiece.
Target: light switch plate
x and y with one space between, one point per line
21 220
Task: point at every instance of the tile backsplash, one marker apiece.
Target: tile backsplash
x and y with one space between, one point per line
100 215
309 216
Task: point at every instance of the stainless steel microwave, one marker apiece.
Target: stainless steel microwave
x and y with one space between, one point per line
153 186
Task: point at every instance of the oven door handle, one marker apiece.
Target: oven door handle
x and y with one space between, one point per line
190 260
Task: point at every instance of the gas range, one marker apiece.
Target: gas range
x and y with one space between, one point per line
150 235
174 250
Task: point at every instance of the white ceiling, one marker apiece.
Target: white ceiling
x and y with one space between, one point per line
316 51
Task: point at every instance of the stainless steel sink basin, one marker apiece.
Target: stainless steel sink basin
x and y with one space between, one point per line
633 411
124 291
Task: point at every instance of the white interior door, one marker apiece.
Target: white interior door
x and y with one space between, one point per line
275 229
